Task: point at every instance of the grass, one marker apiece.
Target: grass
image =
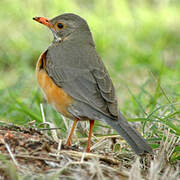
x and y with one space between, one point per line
138 41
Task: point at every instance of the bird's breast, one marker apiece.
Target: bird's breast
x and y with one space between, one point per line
55 95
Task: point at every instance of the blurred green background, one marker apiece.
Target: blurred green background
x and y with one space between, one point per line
138 40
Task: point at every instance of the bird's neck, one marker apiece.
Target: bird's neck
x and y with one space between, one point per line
83 37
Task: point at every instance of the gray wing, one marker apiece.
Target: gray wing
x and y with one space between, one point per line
90 86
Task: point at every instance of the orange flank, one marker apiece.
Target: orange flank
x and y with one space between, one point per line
54 94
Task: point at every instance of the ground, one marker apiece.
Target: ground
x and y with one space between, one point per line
33 152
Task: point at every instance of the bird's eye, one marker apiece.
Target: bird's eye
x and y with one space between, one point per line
60 25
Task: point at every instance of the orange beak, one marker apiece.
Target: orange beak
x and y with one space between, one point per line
44 21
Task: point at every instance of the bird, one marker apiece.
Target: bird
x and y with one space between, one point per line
75 81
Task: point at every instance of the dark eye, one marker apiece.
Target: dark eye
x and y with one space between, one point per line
60 25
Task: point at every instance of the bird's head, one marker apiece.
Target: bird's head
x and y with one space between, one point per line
64 25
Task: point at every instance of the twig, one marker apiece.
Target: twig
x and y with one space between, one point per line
90 155
43 116
71 154
99 143
82 157
59 148
98 138
53 131
10 152
32 157
65 122
42 113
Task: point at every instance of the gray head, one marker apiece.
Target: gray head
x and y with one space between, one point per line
64 25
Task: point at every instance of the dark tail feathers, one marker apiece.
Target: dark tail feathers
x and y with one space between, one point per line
133 138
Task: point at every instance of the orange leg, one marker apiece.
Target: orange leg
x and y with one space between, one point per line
90 135
68 142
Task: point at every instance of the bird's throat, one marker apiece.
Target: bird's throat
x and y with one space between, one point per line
56 37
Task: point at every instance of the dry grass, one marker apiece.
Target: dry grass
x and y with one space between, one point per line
31 152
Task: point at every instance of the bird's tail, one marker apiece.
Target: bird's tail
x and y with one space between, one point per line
133 138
